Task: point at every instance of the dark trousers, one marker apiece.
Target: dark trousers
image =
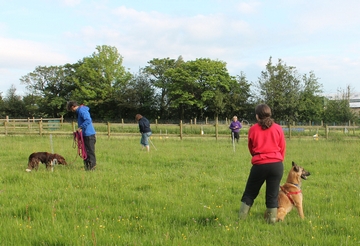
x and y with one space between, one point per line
271 174
90 162
235 135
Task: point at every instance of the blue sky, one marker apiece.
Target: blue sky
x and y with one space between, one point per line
321 36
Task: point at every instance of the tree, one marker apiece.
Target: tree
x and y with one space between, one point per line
13 105
288 93
200 87
137 96
47 86
98 78
311 103
337 110
2 107
156 71
32 107
239 100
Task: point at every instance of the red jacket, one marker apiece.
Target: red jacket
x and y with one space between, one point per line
266 146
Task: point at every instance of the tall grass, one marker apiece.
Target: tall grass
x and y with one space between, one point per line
184 193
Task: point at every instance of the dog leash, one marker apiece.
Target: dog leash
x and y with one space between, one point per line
79 143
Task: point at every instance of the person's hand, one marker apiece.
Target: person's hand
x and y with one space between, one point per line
79 130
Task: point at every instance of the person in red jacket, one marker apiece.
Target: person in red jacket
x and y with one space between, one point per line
266 143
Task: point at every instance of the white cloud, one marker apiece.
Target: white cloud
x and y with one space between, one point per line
248 7
320 16
21 54
71 3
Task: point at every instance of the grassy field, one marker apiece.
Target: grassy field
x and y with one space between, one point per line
184 193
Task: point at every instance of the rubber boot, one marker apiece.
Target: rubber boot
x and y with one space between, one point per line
271 215
244 210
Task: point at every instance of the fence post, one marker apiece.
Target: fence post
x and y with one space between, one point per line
181 126
354 127
6 131
108 129
40 127
156 124
216 128
326 131
289 126
73 126
195 121
206 120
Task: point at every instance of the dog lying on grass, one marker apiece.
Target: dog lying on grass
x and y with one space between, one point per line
46 158
290 195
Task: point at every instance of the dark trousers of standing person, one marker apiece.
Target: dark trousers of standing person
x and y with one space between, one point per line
235 135
271 174
90 162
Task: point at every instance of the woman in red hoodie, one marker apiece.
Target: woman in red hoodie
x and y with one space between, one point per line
266 143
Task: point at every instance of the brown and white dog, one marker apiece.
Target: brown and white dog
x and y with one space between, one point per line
290 194
46 158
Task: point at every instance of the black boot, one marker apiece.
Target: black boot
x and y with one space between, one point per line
87 166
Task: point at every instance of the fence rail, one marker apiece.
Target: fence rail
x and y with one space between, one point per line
57 126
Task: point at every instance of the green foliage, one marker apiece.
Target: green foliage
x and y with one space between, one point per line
48 90
239 101
183 193
99 78
202 83
172 89
287 93
338 110
156 70
13 105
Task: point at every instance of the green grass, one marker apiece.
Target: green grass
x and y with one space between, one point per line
184 193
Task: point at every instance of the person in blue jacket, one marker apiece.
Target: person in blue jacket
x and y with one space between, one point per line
85 125
145 130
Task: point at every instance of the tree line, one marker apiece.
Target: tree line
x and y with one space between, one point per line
170 90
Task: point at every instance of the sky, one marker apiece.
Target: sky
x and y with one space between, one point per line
318 36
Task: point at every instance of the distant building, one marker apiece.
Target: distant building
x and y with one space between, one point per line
354 101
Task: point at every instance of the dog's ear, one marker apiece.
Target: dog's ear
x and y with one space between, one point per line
295 167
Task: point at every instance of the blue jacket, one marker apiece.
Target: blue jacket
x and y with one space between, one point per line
85 121
144 125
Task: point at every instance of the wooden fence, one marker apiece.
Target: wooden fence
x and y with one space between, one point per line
57 126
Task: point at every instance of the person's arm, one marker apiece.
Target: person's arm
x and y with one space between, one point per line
282 143
141 126
85 115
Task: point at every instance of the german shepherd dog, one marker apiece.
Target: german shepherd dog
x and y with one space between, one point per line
46 158
290 193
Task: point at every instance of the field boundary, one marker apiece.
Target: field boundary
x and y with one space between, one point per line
57 126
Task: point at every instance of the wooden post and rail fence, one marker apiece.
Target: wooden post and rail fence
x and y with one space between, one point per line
58 126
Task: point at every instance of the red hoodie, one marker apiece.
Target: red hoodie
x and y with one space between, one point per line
266 146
